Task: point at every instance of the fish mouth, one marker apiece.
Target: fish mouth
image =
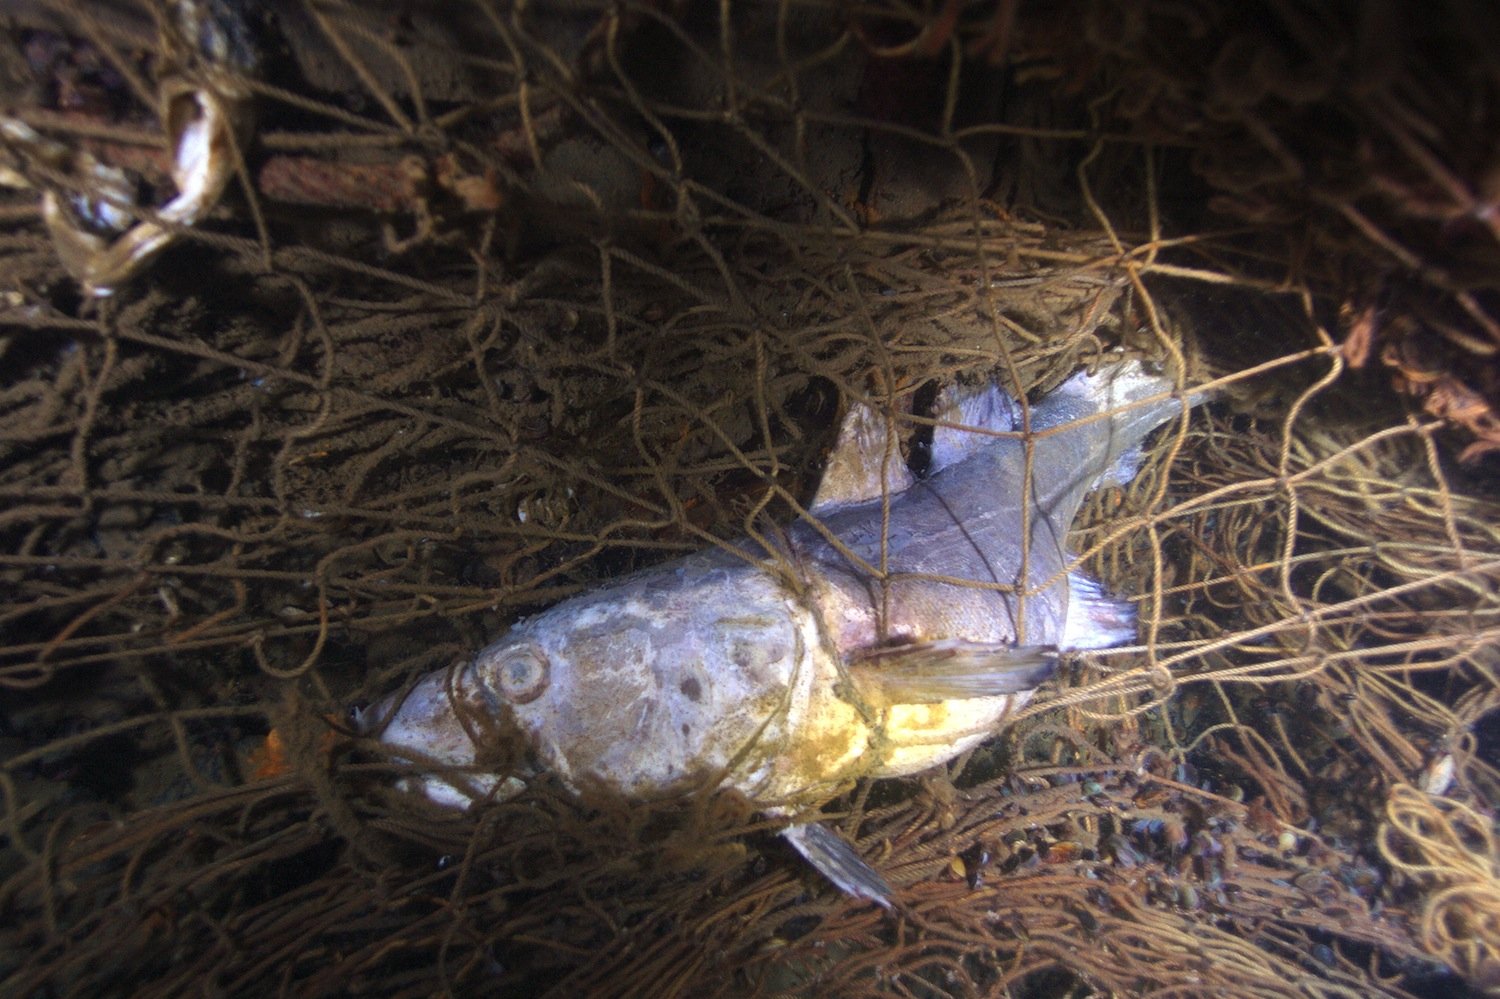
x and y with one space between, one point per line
462 791
448 743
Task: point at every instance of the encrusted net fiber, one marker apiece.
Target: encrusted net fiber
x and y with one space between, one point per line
504 303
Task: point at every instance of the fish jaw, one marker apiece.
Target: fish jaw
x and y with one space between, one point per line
447 725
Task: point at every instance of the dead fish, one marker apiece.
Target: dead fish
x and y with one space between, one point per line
103 234
892 629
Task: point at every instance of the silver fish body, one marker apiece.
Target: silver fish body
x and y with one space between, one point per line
890 631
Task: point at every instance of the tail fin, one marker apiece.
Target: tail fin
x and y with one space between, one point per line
1122 403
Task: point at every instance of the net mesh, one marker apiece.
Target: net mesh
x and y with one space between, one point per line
504 302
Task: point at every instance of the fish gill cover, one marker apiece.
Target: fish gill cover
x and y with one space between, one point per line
337 337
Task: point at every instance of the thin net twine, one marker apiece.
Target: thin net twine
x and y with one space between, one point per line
474 385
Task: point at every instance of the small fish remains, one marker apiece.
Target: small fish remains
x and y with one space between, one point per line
889 633
103 234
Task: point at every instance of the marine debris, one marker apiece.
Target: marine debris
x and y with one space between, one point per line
508 302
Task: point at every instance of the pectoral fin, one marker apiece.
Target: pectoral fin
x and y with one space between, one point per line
930 672
836 860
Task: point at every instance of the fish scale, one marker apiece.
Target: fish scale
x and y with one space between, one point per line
787 675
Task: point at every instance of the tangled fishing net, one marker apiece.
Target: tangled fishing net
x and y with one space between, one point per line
486 304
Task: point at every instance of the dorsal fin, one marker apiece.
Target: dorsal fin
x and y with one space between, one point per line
866 463
963 412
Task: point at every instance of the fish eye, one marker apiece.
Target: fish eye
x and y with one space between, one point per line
522 675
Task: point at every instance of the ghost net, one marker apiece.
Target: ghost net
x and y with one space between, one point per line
477 306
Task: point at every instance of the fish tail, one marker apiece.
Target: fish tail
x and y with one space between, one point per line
1137 401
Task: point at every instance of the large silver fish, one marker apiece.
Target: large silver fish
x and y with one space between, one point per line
890 631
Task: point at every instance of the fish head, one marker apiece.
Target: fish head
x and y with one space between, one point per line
672 681
453 732
681 679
